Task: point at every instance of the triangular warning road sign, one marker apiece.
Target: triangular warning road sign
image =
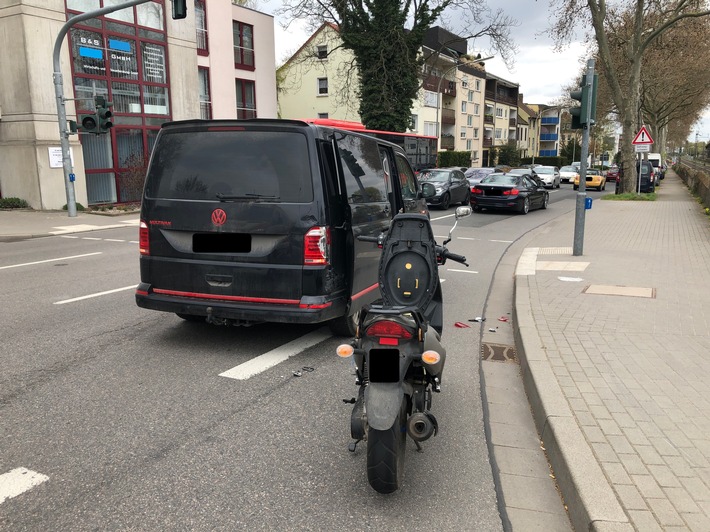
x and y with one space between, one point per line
642 137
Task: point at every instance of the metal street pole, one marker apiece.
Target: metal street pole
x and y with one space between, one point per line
582 191
59 93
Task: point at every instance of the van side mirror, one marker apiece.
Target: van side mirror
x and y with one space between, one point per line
428 190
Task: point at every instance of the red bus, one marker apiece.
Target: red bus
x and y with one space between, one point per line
420 149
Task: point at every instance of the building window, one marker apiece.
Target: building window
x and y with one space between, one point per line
475 132
203 75
414 125
246 100
430 129
469 120
474 155
469 143
243 35
470 96
462 134
499 112
464 82
322 51
463 107
322 115
201 27
499 133
476 109
478 85
430 99
322 86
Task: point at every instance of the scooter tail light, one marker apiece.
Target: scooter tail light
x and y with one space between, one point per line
388 329
143 238
431 357
345 350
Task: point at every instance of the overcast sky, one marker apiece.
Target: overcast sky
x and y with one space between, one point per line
540 71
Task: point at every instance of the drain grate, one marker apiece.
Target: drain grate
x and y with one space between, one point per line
499 352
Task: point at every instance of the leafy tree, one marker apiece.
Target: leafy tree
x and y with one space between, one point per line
571 150
509 154
385 37
645 21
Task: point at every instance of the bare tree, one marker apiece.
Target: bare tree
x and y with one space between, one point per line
646 20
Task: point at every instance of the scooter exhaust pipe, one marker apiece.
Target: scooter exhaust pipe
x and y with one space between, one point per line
421 426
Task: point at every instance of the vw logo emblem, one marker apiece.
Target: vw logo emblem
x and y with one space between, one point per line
219 217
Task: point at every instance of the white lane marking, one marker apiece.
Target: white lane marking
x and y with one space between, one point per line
67 236
50 260
467 238
18 481
462 271
276 356
503 241
133 286
90 238
113 240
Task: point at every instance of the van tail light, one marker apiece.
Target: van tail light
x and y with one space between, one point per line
143 239
511 192
316 246
388 332
475 190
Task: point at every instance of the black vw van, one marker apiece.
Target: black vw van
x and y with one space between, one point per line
248 221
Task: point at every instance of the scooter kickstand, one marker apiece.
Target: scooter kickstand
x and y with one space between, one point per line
420 449
352 445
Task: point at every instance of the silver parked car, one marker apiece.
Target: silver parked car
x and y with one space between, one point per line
568 173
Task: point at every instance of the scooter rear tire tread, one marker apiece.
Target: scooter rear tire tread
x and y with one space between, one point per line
385 454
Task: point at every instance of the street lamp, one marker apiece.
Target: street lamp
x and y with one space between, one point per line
438 89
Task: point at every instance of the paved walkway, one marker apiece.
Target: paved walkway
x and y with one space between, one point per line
617 360
23 224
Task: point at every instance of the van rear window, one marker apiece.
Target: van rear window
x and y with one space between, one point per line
231 165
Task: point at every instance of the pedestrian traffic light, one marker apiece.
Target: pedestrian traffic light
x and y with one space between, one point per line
583 116
103 114
179 9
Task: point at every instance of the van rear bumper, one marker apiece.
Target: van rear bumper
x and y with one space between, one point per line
309 309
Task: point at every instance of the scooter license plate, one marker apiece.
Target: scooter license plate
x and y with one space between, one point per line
384 365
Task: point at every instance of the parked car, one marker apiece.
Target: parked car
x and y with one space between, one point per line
568 173
249 221
594 179
509 191
451 187
474 175
549 175
612 174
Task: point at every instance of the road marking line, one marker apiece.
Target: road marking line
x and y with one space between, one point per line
527 262
466 238
67 236
503 241
113 240
90 238
276 356
462 271
50 260
18 481
95 295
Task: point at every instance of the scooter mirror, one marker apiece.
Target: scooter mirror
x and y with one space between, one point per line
463 211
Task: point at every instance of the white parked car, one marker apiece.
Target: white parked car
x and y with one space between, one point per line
568 173
549 175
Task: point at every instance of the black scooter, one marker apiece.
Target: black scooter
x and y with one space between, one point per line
397 351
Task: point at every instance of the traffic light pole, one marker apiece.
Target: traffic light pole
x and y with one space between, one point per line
582 191
61 101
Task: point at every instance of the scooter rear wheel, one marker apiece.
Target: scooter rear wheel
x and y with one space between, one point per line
385 454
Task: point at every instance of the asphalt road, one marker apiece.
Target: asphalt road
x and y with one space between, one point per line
124 414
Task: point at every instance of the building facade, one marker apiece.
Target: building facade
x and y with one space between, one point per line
139 59
500 115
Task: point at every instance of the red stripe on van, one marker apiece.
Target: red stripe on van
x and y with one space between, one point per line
227 298
366 291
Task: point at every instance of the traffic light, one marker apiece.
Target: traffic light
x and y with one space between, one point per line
103 114
89 124
179 9
580 117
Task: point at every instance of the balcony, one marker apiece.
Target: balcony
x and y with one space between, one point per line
448 116
205 110
548 153
513 122
549 120
546 137
488 119
434 83
447 141
487 142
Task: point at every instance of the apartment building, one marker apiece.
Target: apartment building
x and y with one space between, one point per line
218 62
500 115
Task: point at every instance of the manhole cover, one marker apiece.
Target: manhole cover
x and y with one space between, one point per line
499 352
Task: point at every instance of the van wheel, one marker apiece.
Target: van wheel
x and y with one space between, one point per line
191 317
345 325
